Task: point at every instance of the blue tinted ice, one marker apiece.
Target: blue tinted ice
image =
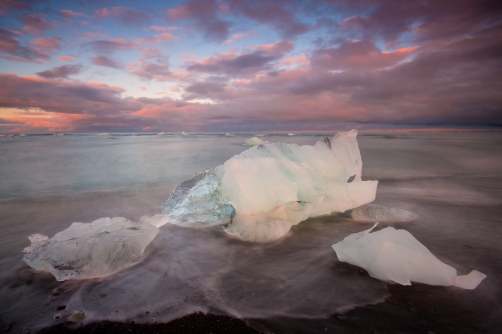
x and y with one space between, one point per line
198 202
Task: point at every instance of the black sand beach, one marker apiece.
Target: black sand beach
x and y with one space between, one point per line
416 309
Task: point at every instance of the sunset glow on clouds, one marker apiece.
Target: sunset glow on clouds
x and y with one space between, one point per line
236 65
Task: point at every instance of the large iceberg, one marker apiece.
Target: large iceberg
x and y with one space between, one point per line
395 256
260 193
90 250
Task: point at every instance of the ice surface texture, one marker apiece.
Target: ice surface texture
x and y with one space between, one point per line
395 256
197 202
270 187
90 250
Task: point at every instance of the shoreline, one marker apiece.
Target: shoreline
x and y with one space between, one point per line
409 309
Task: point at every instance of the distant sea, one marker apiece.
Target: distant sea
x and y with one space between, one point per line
452 180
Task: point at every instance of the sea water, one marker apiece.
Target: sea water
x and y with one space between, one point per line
452 181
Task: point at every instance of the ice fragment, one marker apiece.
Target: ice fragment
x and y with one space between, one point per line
254 141
90 250
395 256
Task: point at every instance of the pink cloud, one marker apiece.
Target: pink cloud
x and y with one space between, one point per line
73 97
205 14
237 37
166 36
300 60
46 44
124 15
69 13
108 46
178 13
168 109
359 55
106 62
164 28
11 48
102 13
61 72
35 24
244 63
150 70
67 58
7 5
283 46
274 13
152 65
92 34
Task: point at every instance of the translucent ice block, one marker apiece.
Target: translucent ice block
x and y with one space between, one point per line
395 256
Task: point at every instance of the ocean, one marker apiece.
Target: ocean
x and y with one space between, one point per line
451 180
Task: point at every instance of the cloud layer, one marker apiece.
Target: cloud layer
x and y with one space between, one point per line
240 65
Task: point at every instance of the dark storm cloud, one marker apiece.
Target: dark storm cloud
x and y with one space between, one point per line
62 96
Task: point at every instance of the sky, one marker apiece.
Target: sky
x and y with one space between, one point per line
239 65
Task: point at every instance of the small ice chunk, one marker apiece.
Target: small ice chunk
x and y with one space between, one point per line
161 134
469 281
395 256
372 213
291 134
198 202
254 141
90 250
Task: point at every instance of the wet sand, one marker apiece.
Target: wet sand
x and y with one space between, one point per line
415 309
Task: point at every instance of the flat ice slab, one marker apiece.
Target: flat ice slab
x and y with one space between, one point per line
395 256
90 250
